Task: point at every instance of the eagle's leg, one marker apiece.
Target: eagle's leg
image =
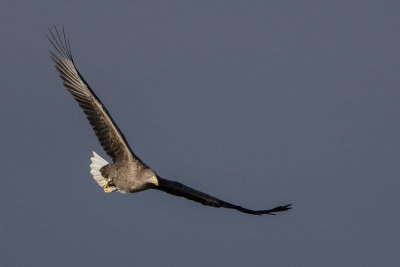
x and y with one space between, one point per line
108 187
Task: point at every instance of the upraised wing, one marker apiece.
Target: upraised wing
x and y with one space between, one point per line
108 133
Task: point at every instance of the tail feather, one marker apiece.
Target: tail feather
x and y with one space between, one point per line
98 163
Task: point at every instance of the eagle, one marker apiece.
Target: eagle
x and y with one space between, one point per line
127 173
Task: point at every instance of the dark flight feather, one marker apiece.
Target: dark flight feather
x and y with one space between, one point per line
178 189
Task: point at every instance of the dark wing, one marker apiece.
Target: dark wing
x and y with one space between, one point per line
110 137
178 189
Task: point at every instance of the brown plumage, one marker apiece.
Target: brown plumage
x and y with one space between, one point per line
127 173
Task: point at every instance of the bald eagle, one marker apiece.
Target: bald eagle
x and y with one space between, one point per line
128 173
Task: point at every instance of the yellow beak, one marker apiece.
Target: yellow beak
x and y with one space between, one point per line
153 180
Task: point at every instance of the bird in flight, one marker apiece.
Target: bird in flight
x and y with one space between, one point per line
128 173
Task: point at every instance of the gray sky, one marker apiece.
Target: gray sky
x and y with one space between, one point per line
260 103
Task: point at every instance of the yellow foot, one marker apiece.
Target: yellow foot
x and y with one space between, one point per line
108 189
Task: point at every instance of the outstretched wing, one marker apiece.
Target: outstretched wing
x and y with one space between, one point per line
178 189
110 137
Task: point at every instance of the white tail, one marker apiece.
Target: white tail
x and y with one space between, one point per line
98 163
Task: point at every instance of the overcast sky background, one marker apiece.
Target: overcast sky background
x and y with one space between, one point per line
260 103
